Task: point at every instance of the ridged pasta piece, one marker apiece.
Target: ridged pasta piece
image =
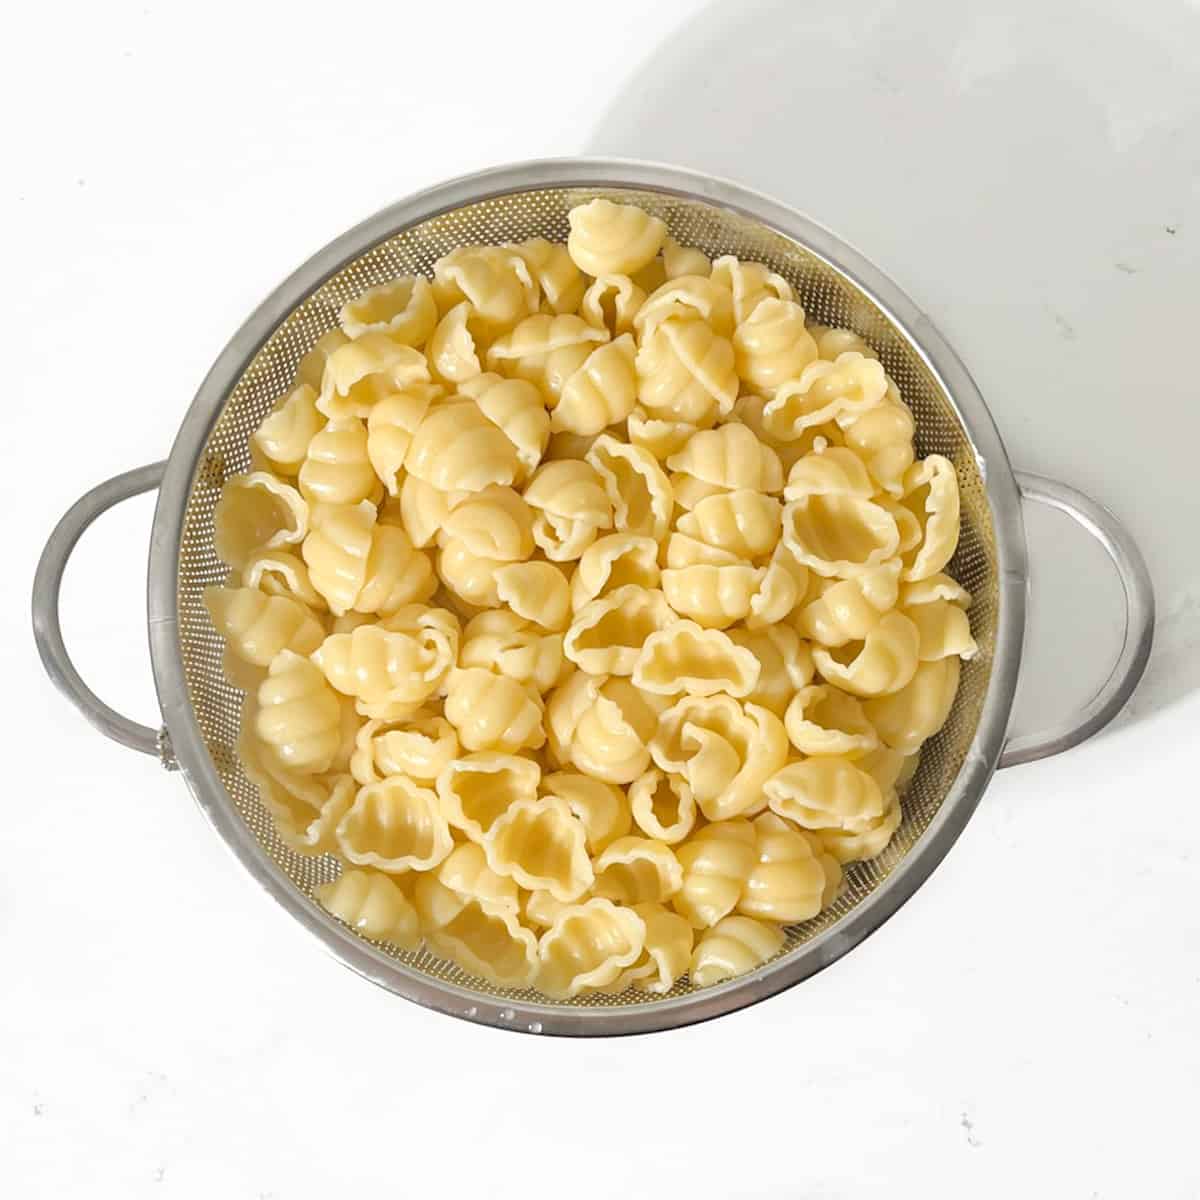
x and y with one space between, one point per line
680 260
510 644
845 610
470 577
553 270
336 469
744 523
725 751
823 392
493 712
917 711
943 629
477 789
934 588
607 635
397 574
636 486
602 726
662 806
883 436
733 947
518 409
825 793
395 825
686 372
749 283
542 845
257 627
601 807
372 904
785 664
465 871
337 549
283 437
391 424
788 882
666 953
749 411
683 657
834 471
537 591
453 352
366 371
456 448
637 870
496 281
882 663
726 459
931 495
602 392
420 747
714 597
608 238
541 910
839 535
483 937
717 860
661 436
783 583
424 509
311 369
402 309
772 346
825 720
688 297
611 303
282 573
570 507
495 523
545 350
684 551
588 947
866 843
257 512
403 659
614 561
298 716
832 343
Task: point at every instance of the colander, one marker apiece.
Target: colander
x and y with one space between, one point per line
201 711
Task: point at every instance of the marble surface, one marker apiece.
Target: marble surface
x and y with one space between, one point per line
1030 173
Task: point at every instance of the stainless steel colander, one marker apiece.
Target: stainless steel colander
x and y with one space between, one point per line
201 711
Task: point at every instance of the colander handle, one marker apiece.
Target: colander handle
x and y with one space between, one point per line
1139 622
47 629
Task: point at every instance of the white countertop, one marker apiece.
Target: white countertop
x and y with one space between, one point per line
1028 1023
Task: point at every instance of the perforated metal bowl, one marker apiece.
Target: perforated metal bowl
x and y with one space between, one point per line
201 711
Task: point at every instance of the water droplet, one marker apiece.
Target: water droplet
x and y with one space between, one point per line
507 1014
471 1012
535 1027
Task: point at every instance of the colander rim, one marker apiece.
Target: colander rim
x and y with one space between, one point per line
995 470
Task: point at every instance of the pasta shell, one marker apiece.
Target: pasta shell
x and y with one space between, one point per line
846 610
283 437
477 789
825 793
666 953
471 577
611 303
257 627
635 484
883 436
824 392
727 459
536 591
453 353
714 597
823 720
917 711
834 471
397 574
785 664
683 657
257 512
607 635
686 372
717 861
493 712
680 260
883 662
608 238
588 947
787 883
420 747
931 495
515 407
510 644
395 825
663 806
602 392
661 436
601 807
495 523
337 469
735 946
299 716
943 629
403 309
637 870
424 510
372 904
839 535
540 844
688 297
365 371
391 424
456 448
867 843
496 281
311 369
570 505
337 550
749 283
772 345
743 523
561 281
611 562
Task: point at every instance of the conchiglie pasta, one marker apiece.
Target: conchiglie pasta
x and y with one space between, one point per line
612 303
614 561
635 484
744 523
823 392
456 448
686 372
299 717
601 392
600 807
662 806
517 409
588 947
637 870
542 845
735 946
495 281
727 459
570 507
419 747
749 283
772 345
373 904
684 657
787 882
561 281
825 793
476 790
257 512
337 468
537 591
403 310
365 371
608 238
717 861
257 627
493 712
512 645
283 437
395 825
607 635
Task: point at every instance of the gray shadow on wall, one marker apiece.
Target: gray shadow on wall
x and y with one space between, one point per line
1032 179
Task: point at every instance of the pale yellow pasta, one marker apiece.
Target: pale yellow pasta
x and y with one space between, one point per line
394 825
545 350
748 283
566 446
336 551
588 947
336 469
735 946
839 535
391 424
495 281
562 283
465 871
749 411
725 750
456 448
824 720
257 512
601 807
502 641
917 711
283 437
420 747
470 577
397 574
453 353
373 904
365 371
744 523
772 345
495 523
312 366
883 437
542 845
788 881
652 276
931 495
601 392
477 789
845 610
686 297
493 712
403 309
607 635
256 627
714 597
782 585
868 842
823 392
516 408
402 659
683 260
882 663
717 860
825 793
614 561
666 953
684 657
611 303
661 436
662 806
831 343
424 509
833 471
785 664
637 487
637 870
570 507
686 372
541 910
943 629
684 551
282 573
299 717
727 459
608 238
537 591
